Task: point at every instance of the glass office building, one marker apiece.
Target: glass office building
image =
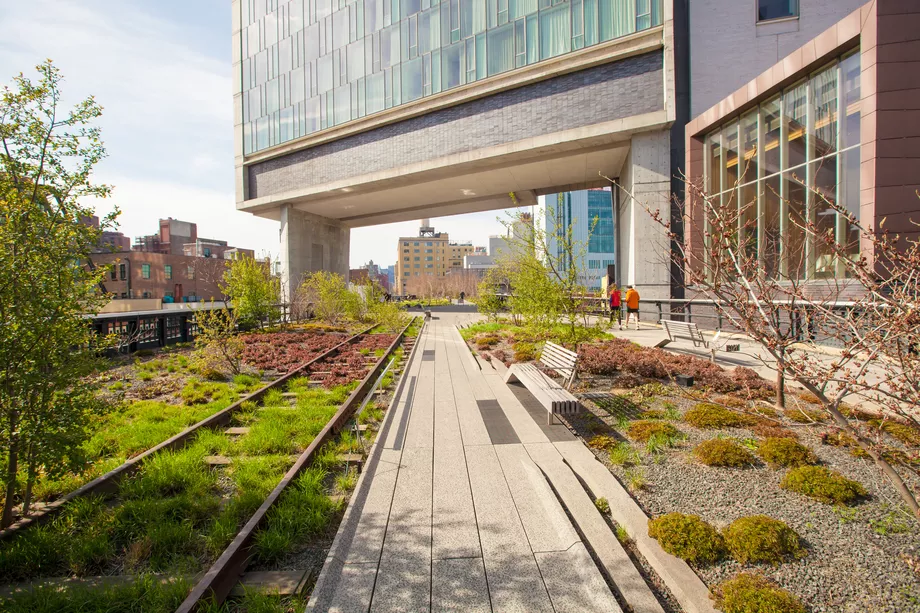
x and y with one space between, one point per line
786 162
588 216
313 64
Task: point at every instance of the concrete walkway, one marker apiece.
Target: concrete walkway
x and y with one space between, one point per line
458 508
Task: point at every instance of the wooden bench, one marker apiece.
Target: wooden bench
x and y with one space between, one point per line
682 330
555 398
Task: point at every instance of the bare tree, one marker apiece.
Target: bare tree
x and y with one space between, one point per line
764 285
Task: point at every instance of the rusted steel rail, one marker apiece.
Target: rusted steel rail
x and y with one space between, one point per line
224 574
109 481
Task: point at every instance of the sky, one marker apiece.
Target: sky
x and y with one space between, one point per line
162 72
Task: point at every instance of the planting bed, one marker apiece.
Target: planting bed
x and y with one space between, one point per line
182 508
154 397
863 556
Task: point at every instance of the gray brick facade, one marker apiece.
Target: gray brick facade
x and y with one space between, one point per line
611 91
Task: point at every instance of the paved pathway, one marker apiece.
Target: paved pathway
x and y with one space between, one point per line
458 508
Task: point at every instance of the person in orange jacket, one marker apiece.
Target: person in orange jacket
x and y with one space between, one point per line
632 305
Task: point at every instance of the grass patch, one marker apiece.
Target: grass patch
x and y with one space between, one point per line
708 416
750 593
622 454
761 539
822 484
602 505
785 452
688 537
723 452
148 594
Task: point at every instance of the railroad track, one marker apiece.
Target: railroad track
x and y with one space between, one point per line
224 574
108 482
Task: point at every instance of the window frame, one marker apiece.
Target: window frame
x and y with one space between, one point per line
758 20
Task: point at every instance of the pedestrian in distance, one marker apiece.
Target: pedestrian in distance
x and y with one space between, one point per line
615 306
632 305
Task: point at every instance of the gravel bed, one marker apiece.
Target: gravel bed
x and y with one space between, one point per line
850 566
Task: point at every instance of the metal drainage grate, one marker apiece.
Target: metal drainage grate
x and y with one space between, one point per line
428 355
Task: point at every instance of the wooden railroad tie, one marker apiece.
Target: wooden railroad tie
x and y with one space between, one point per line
217 460
355 458
236 431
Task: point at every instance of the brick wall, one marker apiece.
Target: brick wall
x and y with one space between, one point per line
611 91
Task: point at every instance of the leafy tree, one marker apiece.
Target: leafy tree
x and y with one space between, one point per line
46 164
328 294
252 290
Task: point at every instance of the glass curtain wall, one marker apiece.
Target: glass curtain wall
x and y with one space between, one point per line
787 163
313 64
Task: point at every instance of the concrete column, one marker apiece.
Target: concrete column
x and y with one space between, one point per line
310 243
645 252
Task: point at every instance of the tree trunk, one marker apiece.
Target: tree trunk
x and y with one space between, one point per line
781 379
12 468
27 493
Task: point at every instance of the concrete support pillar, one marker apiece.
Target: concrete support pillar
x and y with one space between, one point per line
310 243
645 252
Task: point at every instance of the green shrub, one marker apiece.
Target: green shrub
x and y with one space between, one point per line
804 416
785 452
723 452
750 593
688 537
644 429
604 442
822 484
760 538
524 352
708 416
902 432
653 414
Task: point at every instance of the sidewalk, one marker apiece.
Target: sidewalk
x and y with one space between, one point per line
459 506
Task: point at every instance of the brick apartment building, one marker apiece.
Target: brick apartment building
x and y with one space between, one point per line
174 264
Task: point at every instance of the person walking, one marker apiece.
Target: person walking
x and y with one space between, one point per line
615 306
632 305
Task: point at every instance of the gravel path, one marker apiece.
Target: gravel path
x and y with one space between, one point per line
850 567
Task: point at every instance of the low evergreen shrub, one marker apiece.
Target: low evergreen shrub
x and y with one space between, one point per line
723 452
688 537
822 484
708 416
804 416
762 539
643 429
785 452
750 593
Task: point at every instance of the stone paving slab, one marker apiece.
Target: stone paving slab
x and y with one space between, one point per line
595 530
404 575
573 582
347 588
454 530
545 522
459 584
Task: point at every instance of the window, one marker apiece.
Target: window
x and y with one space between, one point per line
776 9
122 272
113 273
786 164
167 270
145 271
308 66
190 272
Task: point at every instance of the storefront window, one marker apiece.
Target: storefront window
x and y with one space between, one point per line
793 161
